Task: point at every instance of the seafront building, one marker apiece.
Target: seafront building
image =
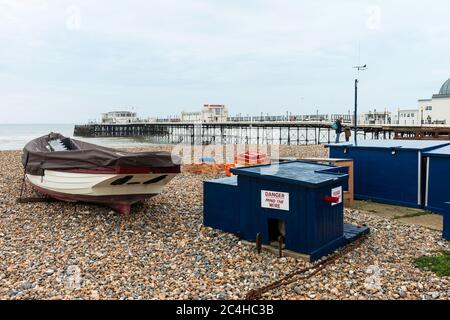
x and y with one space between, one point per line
214 113
437 109
209 113
407 117
195 116
432 112
369 118
119 117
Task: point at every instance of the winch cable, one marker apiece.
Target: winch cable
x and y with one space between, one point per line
256 294
24 177
21 198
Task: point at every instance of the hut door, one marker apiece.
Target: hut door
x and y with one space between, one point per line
277 228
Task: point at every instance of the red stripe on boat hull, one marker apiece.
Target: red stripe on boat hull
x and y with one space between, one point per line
119 203
123 170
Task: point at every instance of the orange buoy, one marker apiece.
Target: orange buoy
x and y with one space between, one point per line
227 169
251 158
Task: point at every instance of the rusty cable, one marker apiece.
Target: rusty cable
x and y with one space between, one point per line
256 294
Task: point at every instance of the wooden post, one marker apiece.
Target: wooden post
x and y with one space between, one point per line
348 163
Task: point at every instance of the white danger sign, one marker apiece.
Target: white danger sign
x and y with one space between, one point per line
275 200
337 193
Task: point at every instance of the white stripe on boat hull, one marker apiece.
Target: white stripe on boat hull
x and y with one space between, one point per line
98 184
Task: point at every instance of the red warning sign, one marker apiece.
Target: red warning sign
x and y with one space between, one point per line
337 193
275 200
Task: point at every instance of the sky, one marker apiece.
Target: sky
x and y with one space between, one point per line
68 61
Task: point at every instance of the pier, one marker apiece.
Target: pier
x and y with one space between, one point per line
283 133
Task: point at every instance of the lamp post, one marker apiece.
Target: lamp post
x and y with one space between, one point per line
359 68
421 116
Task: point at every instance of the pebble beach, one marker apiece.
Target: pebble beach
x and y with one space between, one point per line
161 250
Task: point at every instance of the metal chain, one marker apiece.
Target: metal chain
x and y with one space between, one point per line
24 176
256 294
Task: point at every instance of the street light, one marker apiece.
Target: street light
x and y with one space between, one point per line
359 68
421 116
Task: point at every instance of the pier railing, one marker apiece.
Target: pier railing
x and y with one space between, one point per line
287 133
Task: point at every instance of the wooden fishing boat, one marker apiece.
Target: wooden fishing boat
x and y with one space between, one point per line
73 170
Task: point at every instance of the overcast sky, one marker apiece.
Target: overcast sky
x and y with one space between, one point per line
68 61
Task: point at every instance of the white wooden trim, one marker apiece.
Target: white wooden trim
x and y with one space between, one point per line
419 180
97 184
426 182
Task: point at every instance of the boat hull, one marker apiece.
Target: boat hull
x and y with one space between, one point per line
117 191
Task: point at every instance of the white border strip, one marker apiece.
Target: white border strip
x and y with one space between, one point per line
419 180
426 182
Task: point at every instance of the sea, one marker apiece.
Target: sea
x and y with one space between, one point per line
15 136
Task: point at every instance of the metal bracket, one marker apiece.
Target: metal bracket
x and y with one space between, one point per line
280 246
258 243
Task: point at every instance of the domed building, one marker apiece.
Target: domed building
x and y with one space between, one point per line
437 109
445 89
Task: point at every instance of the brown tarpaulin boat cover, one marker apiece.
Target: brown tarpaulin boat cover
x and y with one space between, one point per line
37 157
